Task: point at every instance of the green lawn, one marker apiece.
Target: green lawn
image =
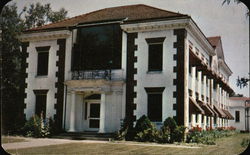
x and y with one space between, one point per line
6 139
225 146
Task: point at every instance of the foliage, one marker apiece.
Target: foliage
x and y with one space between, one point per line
38 127
245 142
145 130
196 135
170 123
178 134
142 124
148 135
12 24
121 134
38 15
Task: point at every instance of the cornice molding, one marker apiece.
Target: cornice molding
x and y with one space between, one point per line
42 36
186 23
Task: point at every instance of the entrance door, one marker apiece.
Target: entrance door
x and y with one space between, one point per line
94 116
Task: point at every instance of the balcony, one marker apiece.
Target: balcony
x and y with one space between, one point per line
110 75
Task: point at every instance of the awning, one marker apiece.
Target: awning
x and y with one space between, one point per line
228 114
194 107
215 113
207 110
220 112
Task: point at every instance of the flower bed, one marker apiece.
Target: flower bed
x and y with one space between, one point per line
170 132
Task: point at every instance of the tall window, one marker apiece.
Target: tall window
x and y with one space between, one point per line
41 101
155 103
97 48
42 60
155 54
237 116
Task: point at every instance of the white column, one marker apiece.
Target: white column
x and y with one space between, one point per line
102 113
186 96
204 122
72 112
199 120
205 88
193 72
218 94
212 122
209 121
211 92
220 98
199 85
193 121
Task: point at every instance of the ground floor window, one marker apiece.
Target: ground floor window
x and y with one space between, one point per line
237 116
154 102
41 101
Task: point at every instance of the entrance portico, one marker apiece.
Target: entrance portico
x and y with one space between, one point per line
92 108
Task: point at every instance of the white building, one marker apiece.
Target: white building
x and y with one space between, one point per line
239 108
91 71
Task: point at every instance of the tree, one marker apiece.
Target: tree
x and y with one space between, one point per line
38 15
12 24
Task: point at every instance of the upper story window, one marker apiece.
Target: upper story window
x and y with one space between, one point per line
42 60
97 48
155 53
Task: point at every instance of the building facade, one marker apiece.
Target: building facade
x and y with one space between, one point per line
239 108
92 71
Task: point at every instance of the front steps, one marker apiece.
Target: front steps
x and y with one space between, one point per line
85 136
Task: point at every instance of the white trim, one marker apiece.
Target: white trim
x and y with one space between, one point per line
41 36
186 23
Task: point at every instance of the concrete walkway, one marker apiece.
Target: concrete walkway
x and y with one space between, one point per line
38 142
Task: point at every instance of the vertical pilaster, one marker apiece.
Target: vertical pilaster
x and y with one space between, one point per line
72 112
211 92
102 113
199 84
204 87
193 120
199 120
193 82
204 122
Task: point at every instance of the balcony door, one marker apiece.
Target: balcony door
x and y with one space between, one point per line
93 116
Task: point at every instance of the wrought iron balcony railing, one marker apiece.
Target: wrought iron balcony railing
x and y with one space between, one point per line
98 74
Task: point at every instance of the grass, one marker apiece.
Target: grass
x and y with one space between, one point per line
224 146
6 139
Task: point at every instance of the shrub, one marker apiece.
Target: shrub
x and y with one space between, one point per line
148 135
123 132
142 124
163 136
37 127
145 130
170 123
178 134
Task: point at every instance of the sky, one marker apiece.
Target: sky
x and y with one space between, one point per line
214 19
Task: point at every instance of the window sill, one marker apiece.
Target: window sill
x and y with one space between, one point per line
158 123
154 72
41 76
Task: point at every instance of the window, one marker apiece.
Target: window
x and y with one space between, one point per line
155 54
41 101
237 116
97 48
42 60
155 103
